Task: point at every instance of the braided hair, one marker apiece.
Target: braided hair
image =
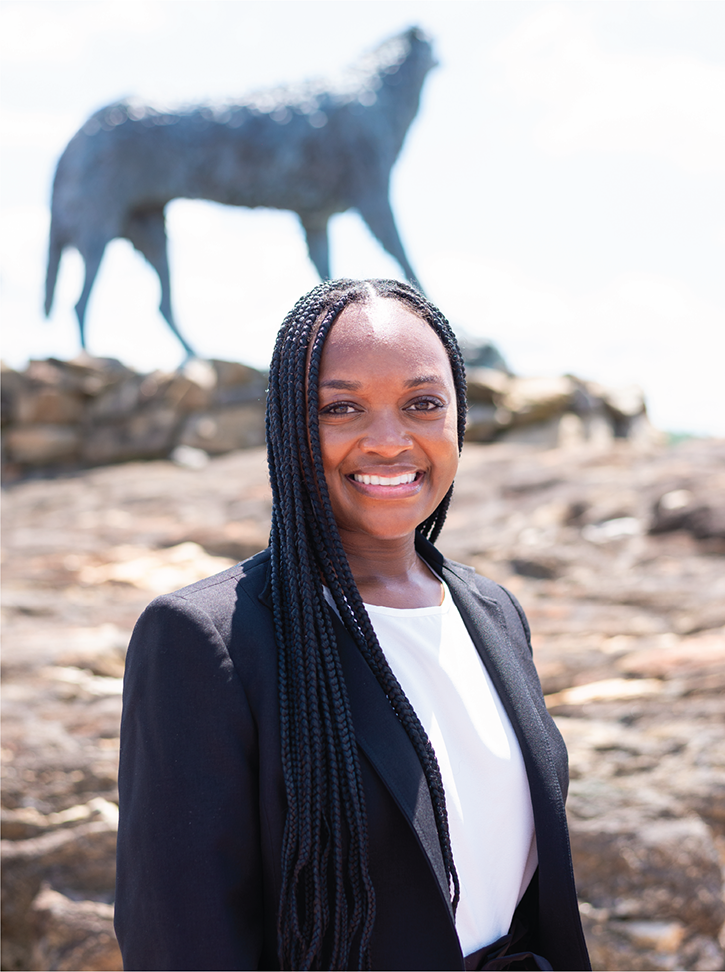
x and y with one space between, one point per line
327 901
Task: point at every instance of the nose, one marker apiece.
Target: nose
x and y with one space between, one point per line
386 434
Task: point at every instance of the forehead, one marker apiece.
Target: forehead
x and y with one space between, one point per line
387 331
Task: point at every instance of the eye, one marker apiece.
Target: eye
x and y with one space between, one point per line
339 408
426 404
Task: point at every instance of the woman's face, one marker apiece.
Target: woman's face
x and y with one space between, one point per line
388 420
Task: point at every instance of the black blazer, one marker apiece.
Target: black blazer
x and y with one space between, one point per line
202 797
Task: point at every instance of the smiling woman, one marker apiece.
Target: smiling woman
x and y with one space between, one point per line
336 754
389 439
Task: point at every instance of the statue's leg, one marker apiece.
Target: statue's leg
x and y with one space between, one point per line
375 210
315 227
92 255
146 229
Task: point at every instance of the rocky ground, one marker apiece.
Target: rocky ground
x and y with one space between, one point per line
617 554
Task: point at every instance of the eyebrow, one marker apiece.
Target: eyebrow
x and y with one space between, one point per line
424 380
342 384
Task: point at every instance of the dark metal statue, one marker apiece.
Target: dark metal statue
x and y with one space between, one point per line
316 149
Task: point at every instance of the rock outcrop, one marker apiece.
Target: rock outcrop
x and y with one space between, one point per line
625 590
95 411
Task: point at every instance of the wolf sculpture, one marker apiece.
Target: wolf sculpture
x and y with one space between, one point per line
316 149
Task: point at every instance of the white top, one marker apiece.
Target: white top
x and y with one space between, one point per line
487 792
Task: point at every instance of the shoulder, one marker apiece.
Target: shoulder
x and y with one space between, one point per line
249 576
495 594
214 601
488 594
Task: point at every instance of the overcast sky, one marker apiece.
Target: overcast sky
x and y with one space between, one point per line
562 190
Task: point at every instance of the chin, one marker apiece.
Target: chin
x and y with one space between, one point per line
390 531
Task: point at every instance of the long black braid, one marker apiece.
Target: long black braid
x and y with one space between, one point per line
327 901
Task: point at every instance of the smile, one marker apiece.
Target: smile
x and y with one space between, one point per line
385 480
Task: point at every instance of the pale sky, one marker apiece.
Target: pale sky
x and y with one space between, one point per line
562 190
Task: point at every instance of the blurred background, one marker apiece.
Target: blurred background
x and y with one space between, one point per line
560 192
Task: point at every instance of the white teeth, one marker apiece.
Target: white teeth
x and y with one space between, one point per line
384 480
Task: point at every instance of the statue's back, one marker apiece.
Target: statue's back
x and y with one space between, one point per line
315 150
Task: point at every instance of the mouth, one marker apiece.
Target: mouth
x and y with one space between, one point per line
400 485
402 480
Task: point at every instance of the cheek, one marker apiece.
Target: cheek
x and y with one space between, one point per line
327 443
450 460
332 452
450 436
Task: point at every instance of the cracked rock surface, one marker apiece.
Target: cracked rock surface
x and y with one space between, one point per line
617 554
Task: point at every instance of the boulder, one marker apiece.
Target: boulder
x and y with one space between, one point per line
118 401
148 434
643 832
486 384
546 433
26 822
84 374
683 509
707 522
181 392
47 404
225 429
483 422
80 861
645 869
234 374
480 353
646 946
73 935
11 385
43 445
535 399
624 404
226 382
158 390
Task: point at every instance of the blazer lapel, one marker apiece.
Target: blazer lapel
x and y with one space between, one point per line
486 625
386 744
516 684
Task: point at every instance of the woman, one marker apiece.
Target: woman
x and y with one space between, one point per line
336 754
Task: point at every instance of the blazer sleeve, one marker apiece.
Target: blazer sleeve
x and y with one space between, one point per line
522 617
189 882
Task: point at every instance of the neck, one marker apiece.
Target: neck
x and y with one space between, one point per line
390 572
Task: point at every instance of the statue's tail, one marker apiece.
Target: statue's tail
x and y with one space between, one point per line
55 248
